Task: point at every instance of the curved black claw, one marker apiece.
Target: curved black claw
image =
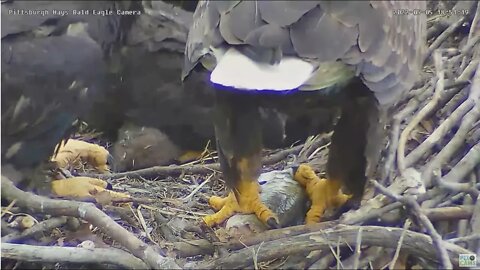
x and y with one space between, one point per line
273 223
109 186
294 169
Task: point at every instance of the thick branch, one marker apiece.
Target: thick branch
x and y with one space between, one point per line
464 166
91 214
203 247
43 226
414 243
71 255
449 213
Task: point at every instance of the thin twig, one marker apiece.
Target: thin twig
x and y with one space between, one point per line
141 221
395 134
462 225
406 226
8 208
471 33
457 187
475 225
255 256
475 21
465 238
358 249
310 146
337 254
189 196
418 214
454 197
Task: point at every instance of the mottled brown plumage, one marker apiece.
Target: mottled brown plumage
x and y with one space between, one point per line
53 66
384 48
142 147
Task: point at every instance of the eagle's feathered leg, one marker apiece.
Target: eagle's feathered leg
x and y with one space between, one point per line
353 155
239 143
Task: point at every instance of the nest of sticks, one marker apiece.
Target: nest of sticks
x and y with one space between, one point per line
423 210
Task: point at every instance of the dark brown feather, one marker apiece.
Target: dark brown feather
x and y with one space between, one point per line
366 34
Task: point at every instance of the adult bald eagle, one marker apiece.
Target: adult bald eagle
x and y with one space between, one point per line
146 91
257 49
53 66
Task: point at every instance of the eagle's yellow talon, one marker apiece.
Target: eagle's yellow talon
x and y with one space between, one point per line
75 152
217 202
324 194
82 187
226 208
314 214
341 199
188 156
248 203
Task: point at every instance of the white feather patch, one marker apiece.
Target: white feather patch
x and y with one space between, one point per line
238 71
